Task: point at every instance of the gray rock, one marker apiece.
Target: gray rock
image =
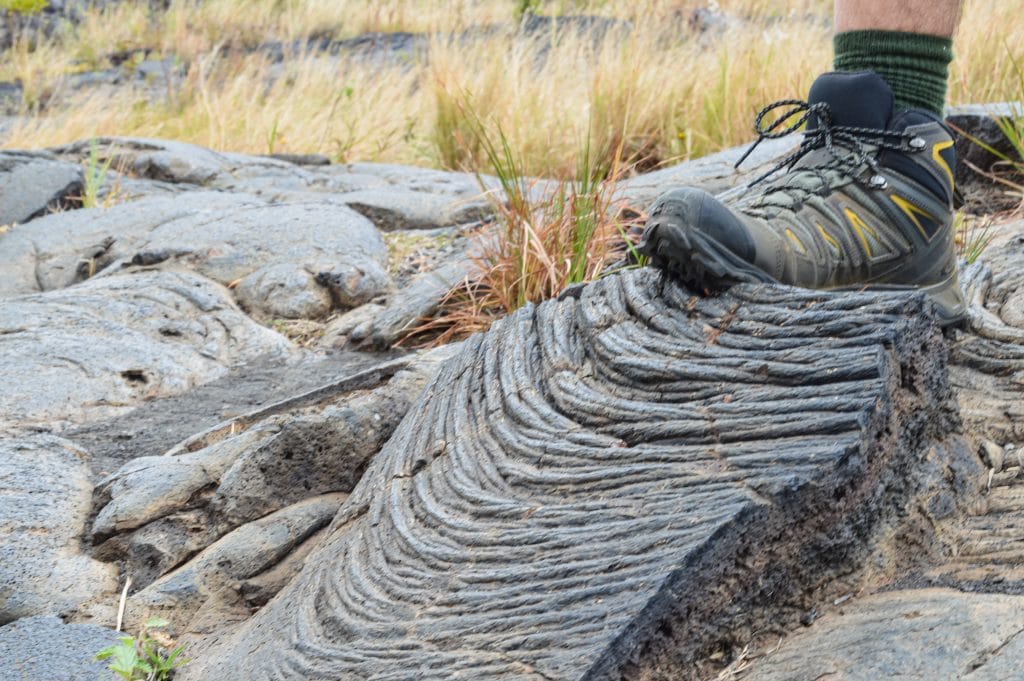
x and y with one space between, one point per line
273 178
106 345
315 453
159 69
158 547
37 648
69 247
987 359
223 237
153 486
602 486
93 79
302 159
156 159
993 455
34 183
354 283
240 555
341 179
285 290
156 512
396 208
913 635
356 324
425 180
119 188
419 300
47 499
988 549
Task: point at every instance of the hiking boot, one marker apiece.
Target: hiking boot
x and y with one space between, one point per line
866 201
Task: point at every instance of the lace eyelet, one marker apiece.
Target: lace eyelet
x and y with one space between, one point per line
917 143
878 182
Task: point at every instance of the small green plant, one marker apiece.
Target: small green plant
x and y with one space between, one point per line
973 235
152 656
525 8
24 6
95 174
273 136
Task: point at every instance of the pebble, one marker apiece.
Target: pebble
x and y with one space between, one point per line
993 455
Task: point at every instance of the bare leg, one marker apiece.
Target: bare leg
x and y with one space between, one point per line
931 17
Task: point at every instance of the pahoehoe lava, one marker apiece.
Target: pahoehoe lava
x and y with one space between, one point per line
594 487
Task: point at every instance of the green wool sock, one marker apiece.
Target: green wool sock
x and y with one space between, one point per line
913 64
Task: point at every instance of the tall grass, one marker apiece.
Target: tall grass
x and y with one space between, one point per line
669 88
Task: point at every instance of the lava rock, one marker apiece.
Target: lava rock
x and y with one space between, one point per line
987 358
417 301
105 345
242 554
165 160
574 485
222 236
37 648
914 635
47 501
285 290
395 208
157 512
34 183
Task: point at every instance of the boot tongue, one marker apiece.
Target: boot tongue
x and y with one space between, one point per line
859 99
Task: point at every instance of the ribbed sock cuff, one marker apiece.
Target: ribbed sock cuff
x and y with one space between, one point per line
915 65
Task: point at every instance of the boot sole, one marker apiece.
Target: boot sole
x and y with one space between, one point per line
702 263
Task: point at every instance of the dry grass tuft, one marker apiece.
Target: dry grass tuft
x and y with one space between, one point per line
549 236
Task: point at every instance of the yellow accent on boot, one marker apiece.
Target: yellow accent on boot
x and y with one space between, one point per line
936 155
861 227
830 239
796 241
914 213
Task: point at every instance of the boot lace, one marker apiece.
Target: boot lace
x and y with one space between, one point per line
847 145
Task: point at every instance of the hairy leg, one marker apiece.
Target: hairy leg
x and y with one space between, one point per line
930 17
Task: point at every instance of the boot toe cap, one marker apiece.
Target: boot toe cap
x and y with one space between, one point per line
698 210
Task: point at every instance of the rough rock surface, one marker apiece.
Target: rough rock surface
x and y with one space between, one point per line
245 553
45 501
157 512
392 209
37 648
987 362
32 183
157 425
417 301
224 237
602 486
154 159
958 615
108 344
290 291
921 635
987 370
